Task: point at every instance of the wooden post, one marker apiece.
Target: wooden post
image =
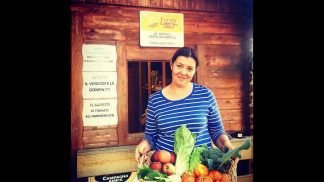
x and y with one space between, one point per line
76 89
149 82
163 74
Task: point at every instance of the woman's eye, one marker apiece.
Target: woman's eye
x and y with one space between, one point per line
179 65
190 69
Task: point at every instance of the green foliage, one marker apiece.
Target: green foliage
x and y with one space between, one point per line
236 152
196 157
149 174
214 158
184 142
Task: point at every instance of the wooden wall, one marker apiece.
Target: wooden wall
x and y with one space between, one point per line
216 29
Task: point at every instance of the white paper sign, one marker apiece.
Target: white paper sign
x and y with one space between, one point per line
97 57
99 85
99 112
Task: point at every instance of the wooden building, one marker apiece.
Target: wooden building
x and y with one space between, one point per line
219 30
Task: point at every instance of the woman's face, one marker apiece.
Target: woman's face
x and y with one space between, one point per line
183 69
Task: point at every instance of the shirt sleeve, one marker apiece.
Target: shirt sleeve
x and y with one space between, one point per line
150 125
215 123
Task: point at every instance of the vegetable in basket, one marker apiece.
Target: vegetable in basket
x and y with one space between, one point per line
184 142
214 158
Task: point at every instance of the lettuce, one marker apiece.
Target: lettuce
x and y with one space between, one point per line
184 143
196 157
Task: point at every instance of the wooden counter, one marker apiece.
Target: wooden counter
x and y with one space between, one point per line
102 161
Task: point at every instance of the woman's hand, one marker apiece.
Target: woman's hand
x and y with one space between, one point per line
142 148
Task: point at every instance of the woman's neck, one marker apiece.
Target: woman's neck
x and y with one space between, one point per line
177 89
174 92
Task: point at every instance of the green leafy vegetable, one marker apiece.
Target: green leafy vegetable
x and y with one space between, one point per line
196 157
149 174
236 152
214 158
184 142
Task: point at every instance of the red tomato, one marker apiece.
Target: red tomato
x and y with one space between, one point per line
215 175
226 178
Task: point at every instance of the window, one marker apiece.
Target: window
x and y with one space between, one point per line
144 78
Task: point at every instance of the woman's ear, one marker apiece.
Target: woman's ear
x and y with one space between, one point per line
171 64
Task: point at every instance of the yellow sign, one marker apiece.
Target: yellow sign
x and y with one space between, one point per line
161 29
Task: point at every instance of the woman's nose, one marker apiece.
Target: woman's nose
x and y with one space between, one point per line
183 71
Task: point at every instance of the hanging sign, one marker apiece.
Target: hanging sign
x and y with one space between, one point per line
97 57
99 85
161 29
99 112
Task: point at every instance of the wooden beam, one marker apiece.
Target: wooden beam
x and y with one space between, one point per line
94 162
76 83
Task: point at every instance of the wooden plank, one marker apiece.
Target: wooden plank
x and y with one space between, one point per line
211 38
155 3
230 103
230 73
232 125
202 65
76 83
103 34
100 138
225 93
164 74
100 145
85 128
76 89
94 162
148 53
202 27
100 132
122 92
222 50
214 82
231 114
220 6
104 22
168 4
149 81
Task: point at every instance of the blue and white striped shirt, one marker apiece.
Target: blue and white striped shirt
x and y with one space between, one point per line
199 111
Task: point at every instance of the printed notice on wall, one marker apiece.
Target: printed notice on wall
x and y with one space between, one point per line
97 57
99 85
99 112
161 29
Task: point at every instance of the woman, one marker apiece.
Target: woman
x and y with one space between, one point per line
182 102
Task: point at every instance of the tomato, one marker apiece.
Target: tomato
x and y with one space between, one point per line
226 178
203 179
201 170
188 177
215 175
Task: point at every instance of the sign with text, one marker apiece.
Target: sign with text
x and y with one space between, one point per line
99 85
99 112
161 29
97 57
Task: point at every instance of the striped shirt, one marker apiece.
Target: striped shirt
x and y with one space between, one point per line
199 111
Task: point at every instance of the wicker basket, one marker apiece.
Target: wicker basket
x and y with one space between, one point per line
233 171
146 160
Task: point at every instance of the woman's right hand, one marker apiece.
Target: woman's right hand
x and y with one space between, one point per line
142 148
